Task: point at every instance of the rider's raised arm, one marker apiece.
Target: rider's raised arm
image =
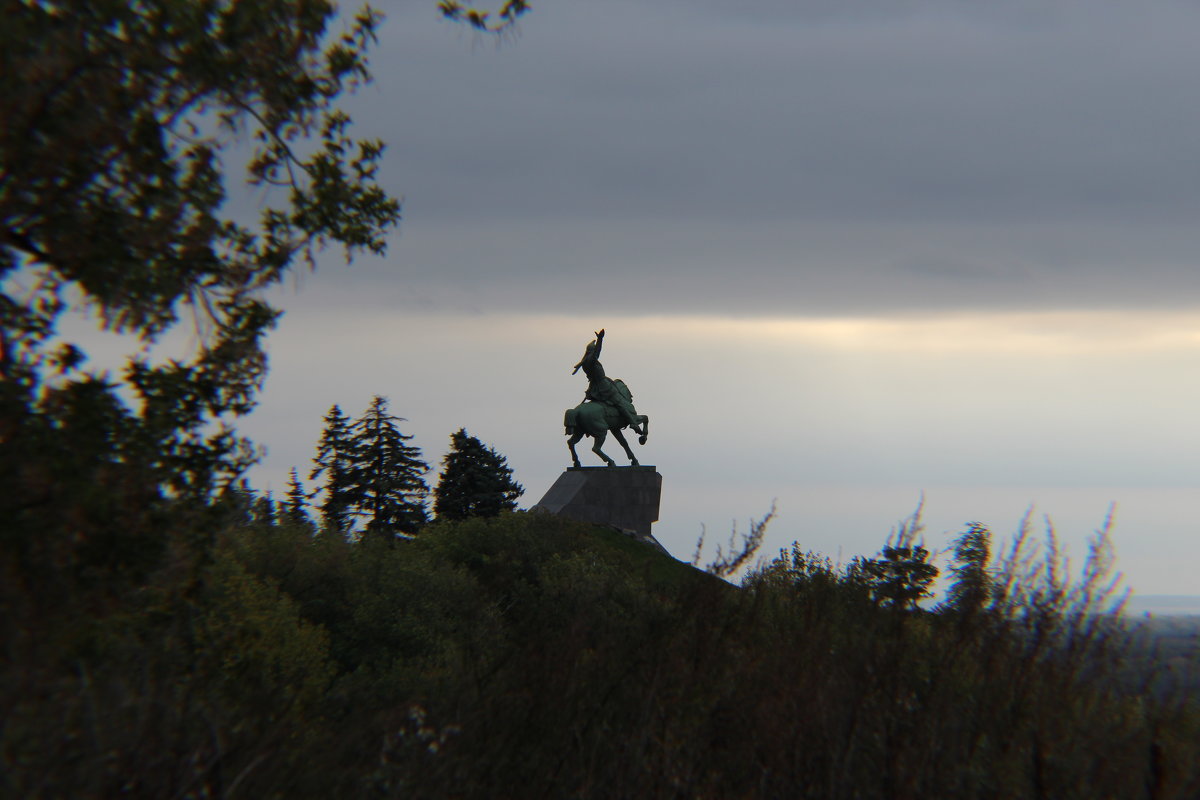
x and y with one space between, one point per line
591 355
589 358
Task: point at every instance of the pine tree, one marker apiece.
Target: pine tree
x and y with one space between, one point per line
294 509
972 586
335 461
386 484
476 481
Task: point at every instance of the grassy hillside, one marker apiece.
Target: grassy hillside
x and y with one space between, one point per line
528 656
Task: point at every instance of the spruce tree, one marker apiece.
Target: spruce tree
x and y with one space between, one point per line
971 588
386 481
476 481
335 462
294 508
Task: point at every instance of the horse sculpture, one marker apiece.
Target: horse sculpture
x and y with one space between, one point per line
597 420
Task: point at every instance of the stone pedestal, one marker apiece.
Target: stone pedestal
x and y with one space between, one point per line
625 498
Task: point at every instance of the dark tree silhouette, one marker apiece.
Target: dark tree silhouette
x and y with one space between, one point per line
123 126
120 121
971 588
476 481
295 508
335 462
900 577
386 483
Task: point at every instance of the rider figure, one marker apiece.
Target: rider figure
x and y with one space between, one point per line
601 388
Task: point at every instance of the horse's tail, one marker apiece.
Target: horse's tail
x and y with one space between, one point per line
569 421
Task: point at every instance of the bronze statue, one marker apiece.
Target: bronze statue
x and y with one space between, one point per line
607 406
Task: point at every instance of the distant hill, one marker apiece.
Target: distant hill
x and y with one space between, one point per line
1164 605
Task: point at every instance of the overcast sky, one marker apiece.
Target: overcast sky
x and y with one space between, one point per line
846 253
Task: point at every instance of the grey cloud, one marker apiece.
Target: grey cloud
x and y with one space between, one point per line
937 117
793 158
938 268
779 269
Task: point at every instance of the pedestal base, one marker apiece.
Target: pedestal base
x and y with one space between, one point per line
625 498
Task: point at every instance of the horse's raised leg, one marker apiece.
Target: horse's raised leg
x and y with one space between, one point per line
645 421
574 440
598 440
621 438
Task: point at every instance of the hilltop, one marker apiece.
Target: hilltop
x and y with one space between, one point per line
526 655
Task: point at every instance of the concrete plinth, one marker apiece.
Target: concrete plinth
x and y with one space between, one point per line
624 497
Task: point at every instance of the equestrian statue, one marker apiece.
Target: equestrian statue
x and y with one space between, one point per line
607 407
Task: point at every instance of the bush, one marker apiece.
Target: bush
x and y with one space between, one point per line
528 655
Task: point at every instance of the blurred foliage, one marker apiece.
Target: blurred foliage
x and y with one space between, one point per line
525 654
125 125
477 18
